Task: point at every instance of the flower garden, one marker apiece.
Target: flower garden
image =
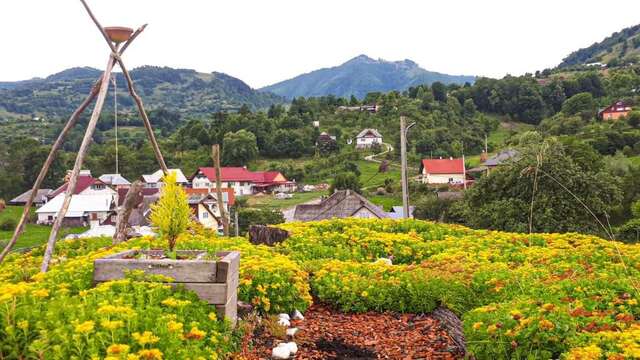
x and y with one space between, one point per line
520 296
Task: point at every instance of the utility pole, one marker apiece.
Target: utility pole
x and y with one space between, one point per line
403 160
215 153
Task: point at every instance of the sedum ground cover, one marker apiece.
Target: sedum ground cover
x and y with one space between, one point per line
542 296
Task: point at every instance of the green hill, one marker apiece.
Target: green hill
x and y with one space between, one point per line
180 90
618 48
360 76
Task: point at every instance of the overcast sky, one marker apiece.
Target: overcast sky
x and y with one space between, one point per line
263 42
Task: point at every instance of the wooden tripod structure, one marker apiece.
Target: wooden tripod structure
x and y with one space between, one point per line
98 92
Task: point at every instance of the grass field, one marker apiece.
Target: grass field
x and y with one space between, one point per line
269 202
33 234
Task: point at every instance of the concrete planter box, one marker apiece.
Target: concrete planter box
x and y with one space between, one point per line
215 281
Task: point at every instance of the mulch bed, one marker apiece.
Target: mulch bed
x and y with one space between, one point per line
329 334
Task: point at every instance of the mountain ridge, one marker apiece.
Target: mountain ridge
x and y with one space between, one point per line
359 76
183 90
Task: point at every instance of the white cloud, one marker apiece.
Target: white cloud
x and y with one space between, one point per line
262 42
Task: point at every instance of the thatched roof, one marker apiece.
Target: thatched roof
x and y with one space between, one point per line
342 204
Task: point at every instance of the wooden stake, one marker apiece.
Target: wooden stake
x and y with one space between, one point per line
82 152
215 154
145 119
131 201
132 91
73 119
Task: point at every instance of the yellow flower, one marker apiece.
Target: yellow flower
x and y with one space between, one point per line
41 293
85 327
175 303
195 334
23 324
145 338
477 325
112 325
632 302
364 294
174 326
151 354
548 307
115 349
591 352
546 325
491 329
213 316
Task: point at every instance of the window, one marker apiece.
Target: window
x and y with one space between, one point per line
205 215
231 183
98 187
50 217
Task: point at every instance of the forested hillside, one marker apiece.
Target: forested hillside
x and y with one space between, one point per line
619 48
362 75
181 90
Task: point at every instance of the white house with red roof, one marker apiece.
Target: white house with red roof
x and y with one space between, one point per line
241 180
443 171
91 202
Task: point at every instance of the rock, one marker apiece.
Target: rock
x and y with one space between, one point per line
284 316
291 346
297 315
386 261
284 322
244 309
280 352
292 331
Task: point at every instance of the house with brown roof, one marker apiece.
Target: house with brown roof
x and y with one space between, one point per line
341 204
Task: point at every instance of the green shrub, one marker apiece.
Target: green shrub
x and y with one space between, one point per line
8 224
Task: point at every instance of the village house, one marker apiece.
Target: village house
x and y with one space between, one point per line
204 205
615 111
496 160
83 210
90 202
242 181
367 138
341 204
443 171
116 181
39 200
155 180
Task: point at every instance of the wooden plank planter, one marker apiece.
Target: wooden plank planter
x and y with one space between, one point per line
214 281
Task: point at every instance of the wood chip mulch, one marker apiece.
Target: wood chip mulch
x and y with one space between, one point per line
329 334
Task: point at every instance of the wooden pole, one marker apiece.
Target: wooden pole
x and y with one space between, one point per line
403 171
215 154
132 91
82 152
145 119
73 119
235 218
131 201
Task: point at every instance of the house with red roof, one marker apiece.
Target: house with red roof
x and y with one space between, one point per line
91 202
615 111
443 171
241 180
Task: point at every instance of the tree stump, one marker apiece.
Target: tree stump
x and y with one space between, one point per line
265 235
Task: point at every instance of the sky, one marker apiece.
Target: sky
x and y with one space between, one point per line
263 42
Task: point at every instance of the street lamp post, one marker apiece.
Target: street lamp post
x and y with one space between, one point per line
403 159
